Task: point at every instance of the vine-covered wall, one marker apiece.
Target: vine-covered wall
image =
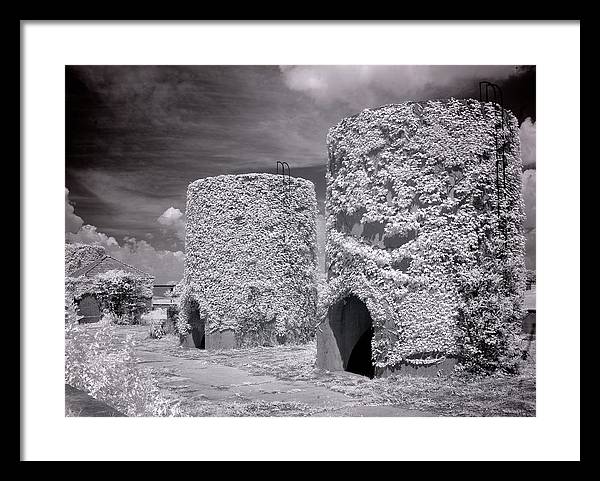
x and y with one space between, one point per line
413 230
80 255
251 257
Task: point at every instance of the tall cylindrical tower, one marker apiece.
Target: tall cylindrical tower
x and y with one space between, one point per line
250 260
425 246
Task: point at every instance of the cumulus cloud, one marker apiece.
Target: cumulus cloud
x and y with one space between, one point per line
527 136
72 221
530 249
171 216
529 180
173 220
362 85
88 234
164 265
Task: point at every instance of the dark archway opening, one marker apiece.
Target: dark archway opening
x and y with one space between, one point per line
352 327
89 309
360 361
198 329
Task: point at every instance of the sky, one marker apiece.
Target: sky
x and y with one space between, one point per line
136 136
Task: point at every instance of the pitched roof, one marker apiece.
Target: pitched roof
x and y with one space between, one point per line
104 264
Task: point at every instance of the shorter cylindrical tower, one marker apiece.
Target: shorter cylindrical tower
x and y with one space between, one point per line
250 261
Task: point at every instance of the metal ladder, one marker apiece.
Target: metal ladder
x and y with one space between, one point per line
497 99
287 182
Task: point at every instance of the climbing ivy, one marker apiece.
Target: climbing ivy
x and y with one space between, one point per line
413 230
80 255
120 294
251 257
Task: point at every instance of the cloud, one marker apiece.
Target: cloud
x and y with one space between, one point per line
88 234
164 265
173 220
367 85
529 189
72 221
527 136
530 249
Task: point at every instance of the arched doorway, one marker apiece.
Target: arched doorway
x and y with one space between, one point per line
89 309
352 328
198 328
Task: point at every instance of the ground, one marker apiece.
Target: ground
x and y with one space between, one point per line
282 381
79 403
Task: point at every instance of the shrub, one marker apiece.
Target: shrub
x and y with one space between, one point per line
107 370
157 330
123 294
109 317
71 313
488 324
172 312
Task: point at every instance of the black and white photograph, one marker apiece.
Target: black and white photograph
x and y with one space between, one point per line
299 240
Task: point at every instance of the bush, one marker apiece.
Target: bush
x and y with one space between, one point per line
172 312
108 371
123 294
488 326
157 330
71 313
109 317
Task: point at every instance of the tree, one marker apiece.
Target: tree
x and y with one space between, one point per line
123 294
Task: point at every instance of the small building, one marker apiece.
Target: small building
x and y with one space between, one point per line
87 303
163 296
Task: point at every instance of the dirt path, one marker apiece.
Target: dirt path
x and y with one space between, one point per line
208 388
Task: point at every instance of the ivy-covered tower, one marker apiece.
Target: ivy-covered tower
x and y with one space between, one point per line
250 261
425 245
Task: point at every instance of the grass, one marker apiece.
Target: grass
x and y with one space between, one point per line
245 408
458 394
74 413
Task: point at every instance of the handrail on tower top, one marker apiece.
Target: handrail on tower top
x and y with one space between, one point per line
289 177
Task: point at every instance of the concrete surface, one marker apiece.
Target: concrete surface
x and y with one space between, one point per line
200 380
220 340
81 404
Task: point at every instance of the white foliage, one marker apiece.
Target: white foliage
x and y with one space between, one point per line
251 256
425 172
